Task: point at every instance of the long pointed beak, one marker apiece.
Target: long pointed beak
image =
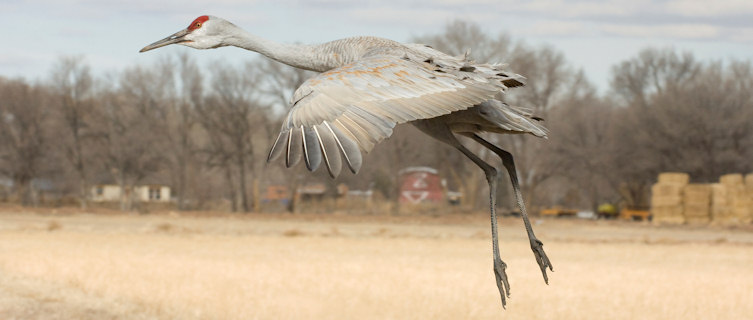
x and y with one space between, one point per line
177 37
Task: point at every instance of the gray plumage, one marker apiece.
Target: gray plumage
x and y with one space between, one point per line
367 85
391 84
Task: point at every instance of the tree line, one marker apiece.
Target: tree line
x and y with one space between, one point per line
205 130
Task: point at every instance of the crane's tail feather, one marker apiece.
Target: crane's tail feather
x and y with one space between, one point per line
511 118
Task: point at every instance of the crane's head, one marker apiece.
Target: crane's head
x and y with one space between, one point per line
204 32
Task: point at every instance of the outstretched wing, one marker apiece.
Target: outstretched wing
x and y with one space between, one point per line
351 108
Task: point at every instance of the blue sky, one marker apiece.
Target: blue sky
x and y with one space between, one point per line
593 35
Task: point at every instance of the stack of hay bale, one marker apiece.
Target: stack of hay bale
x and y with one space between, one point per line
697 203
731 203
667 196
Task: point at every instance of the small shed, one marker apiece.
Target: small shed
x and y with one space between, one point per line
421 185
144 193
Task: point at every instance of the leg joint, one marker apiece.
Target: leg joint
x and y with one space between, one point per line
492 174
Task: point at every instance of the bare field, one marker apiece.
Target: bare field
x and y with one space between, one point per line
69 265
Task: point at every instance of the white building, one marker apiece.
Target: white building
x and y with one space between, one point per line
144 193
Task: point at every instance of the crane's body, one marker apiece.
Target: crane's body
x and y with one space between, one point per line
367 85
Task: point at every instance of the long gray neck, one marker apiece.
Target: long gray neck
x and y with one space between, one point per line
309 57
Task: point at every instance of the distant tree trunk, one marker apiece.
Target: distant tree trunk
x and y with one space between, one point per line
232 194
123 195
129 197
257 197
242 182
83 193
82 182
181 187
23 189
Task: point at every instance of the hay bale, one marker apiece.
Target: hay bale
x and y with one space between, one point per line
666 189
736 194
695 193
731 179
726 221
720 214
730 201
674 177
697 211
742 215
666 194
697 220
667 215
739 203
720 210
718 195
668 201
697 203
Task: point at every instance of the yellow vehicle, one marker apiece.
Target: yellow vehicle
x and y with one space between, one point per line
607 211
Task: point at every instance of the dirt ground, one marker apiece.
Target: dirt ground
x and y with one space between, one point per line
67 264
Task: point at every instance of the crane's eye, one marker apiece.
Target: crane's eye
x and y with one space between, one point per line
197 23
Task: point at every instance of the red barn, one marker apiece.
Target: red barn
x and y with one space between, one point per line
421 185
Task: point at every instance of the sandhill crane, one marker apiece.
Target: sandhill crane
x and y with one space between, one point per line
367 85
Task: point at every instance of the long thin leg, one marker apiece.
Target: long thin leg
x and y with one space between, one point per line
536 245
491 177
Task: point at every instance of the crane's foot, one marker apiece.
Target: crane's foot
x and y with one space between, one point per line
502 284
538 250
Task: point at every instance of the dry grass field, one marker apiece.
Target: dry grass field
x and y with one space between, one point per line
71 265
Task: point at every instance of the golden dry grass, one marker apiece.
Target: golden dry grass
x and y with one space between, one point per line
110 266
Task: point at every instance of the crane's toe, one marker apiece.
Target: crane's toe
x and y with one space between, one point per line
538 250
502 284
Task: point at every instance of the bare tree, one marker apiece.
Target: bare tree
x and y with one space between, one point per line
581 146
175 118
23 140
72 86
230 116
652 72
681 115
127 140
